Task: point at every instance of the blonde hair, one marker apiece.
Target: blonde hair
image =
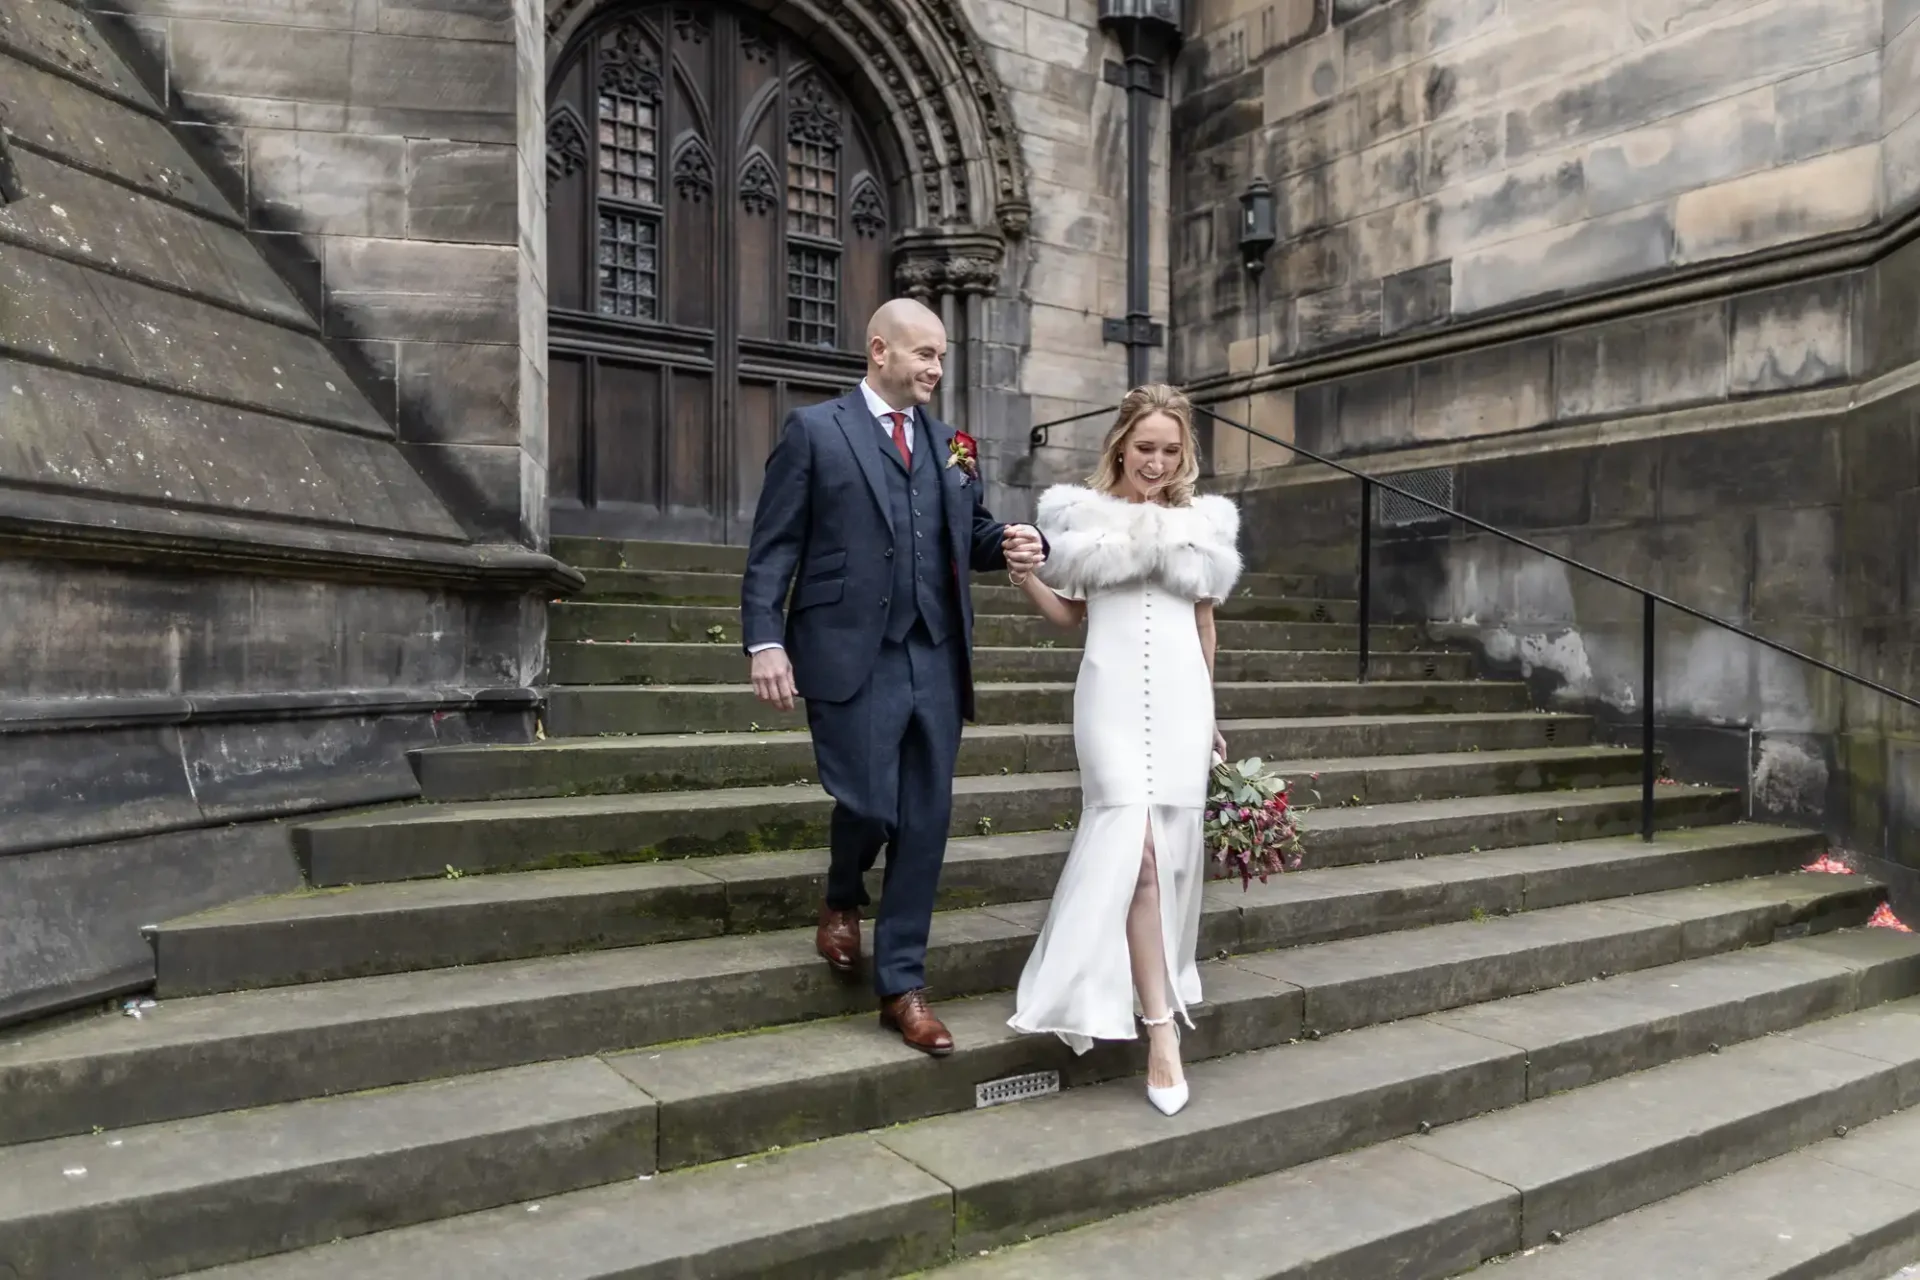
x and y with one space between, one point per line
1155 397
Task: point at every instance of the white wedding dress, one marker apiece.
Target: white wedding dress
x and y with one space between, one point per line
1143 730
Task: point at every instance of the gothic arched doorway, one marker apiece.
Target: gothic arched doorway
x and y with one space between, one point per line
718 230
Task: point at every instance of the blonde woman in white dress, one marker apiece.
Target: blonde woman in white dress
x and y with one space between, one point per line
1141 561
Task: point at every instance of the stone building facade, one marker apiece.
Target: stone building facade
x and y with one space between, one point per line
321 318
1629 280
307 355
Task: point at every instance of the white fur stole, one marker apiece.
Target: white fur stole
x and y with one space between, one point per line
1098 541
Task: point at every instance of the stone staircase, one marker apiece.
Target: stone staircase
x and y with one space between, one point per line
1488 1016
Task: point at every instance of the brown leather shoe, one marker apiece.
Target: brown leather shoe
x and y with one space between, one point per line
838 939
908 1014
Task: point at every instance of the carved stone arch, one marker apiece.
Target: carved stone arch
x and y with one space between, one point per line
867 207
566 143
917 66
692 168
759 184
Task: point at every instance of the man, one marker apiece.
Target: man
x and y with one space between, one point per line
861 503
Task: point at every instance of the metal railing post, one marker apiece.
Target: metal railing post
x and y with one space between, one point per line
1366 571
1646 716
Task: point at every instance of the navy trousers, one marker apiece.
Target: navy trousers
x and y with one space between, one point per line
887 756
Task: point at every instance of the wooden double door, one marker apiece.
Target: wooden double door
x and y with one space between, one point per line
718 231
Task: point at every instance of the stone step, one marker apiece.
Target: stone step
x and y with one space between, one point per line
738 1095
1846 1206
917 1194
718 625
192 1056
669 557
679 586
593 710
1434 1205
1243 607
701 557
687 761
429 924
709 1101
165 1198
424 841
649 663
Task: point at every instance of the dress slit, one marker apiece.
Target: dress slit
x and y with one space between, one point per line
1169 904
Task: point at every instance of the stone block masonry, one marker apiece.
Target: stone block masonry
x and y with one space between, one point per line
392 150
1440 162
1640 281
1765 478
1070 271
226 594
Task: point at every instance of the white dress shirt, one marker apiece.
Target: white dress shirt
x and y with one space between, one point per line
880 410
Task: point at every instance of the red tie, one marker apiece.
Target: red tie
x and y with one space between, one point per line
900 437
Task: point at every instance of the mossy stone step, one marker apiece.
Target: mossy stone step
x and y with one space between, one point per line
372 929
1848 1206
163 1199
668 557
591 710
336 1037
1408 1209
424 841
924 1193
737 1095
649 663
663 585
719 625
690 761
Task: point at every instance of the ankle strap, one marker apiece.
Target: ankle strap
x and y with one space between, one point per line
1156 1022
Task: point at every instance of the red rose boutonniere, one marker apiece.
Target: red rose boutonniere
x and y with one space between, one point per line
962 453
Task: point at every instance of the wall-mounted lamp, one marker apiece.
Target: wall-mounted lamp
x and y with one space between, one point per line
1257 224
1258 231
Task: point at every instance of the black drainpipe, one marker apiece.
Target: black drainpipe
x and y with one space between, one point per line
1149 35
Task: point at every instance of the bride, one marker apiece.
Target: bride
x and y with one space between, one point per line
1141 561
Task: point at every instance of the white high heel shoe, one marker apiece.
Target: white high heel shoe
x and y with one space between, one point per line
1170 1099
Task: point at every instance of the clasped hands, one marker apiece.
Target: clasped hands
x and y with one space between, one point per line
1024 550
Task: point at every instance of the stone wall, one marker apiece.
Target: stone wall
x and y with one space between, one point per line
225 595
1440 163
388 152
1070 271
1791 514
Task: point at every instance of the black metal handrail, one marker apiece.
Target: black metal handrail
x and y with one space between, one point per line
1650 600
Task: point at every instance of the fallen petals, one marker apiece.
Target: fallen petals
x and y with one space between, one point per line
1830 865
1883 918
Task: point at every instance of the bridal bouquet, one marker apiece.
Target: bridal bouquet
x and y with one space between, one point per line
1250 827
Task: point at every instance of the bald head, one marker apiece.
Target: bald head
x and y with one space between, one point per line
898 316
906 346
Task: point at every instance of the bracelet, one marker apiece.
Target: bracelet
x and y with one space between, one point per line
1020 580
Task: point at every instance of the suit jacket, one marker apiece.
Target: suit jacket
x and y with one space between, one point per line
823 516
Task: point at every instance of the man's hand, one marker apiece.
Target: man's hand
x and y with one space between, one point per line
773 678
1023 548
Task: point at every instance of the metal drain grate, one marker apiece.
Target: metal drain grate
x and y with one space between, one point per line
1553 731
1320 613
1035 1084
1430 668
1435 483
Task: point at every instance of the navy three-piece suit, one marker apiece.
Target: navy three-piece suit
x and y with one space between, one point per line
880 634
